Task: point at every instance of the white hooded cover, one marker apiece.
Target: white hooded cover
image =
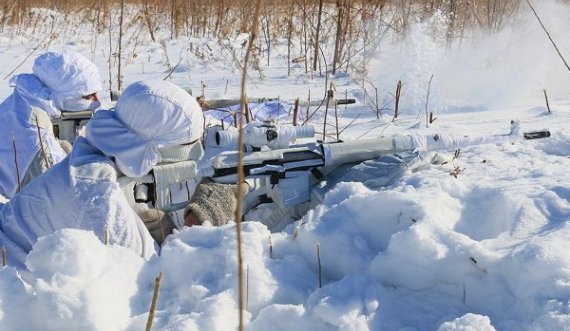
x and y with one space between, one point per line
67 75
82 191
149 115
57 76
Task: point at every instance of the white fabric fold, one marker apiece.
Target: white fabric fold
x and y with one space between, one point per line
149 115
20 141
30 88
68 75
25 130
80 192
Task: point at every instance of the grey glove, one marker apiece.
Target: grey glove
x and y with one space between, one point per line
65 145
379 172
158 223
213 202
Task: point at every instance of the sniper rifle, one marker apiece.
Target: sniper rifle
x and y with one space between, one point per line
280 170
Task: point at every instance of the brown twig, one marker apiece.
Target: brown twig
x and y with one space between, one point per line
328 99
397 100
247 287
336 118
154 301
25 59
317 32
270 248
548 34
546 98
120 46
377 105
295 111
106 236
4 256
349 124
431 118
240 172
48 164
319 265
428 121
17 167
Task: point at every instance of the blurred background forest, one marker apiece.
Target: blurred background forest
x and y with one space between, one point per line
355 26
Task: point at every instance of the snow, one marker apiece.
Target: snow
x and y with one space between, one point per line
481 243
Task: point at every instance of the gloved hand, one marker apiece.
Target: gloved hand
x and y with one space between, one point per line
379 172
387 168
158 223
65 145
212 202
515 129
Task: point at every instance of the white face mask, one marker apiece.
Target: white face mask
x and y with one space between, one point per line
80 104
178 153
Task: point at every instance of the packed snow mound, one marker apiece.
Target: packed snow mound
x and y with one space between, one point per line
74 282
480 248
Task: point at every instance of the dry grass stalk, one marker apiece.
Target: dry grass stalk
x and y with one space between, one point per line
330 95
548 34
289 40
222 18
336 119
378 112
319 265
247 112
428 120
46 159
247 287
17 166
155 295
317 33
546 98
397 100
4 256
295 111
110 66
166 57
270 248
308 106
339 33
120 46
106 238
241 175
349 124
23 61
456 171
148 21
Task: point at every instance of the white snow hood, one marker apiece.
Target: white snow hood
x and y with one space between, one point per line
57 76
149 115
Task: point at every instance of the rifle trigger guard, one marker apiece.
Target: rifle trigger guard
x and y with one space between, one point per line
317 173
274 178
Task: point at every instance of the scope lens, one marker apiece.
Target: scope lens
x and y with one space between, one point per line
218 138
271 135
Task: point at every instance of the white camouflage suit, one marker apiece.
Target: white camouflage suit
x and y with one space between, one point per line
27 143
82 191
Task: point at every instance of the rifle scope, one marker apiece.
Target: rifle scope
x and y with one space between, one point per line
257 136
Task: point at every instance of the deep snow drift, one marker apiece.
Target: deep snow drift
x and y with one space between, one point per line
480 243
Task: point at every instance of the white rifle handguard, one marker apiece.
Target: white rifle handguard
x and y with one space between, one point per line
365 149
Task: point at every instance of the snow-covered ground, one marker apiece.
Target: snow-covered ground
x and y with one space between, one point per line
480 243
